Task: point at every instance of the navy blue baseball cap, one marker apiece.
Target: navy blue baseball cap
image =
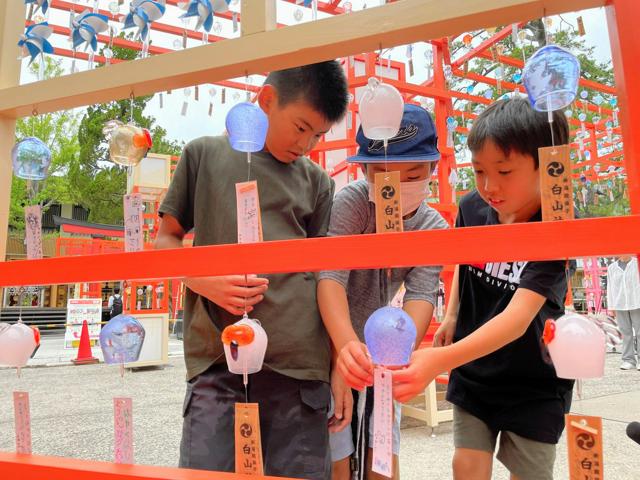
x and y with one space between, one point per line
416 141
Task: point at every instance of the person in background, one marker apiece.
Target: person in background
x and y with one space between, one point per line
115 303
623 298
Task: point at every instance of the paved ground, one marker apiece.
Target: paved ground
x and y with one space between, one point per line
72 415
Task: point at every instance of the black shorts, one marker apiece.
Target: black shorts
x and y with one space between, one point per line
293 423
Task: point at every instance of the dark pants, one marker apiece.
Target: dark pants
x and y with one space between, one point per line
293 423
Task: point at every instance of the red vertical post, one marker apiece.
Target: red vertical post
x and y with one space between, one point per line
624 35
443 109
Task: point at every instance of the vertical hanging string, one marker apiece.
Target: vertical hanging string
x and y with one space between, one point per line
131 107
245 380
548 100
246 276
130 167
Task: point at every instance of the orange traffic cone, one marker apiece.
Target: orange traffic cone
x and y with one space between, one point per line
85 355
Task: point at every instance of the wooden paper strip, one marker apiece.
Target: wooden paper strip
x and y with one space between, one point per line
388 202
248 212
33 231
584 439
247 439
382 423
133 223
123 430
581 30
555 183
22 416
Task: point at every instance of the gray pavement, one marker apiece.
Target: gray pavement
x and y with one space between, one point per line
72 415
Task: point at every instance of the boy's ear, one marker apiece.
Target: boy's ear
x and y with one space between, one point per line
267 98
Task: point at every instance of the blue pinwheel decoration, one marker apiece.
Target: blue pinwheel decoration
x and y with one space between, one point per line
42 4
34 40
204 10
142 13
86 27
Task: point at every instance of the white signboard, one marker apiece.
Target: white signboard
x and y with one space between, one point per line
79 310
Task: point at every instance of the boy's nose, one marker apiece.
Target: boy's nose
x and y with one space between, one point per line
489 185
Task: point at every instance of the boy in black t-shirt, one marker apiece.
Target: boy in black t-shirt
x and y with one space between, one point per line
502 382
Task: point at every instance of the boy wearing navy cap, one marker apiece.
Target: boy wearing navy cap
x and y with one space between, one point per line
348 298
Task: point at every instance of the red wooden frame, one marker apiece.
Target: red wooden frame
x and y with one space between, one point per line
607 236
36 467
528 241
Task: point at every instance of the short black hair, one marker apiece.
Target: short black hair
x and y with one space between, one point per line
116 290
513 124
322 85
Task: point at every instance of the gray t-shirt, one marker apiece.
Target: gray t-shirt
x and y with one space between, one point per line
368 290
295 202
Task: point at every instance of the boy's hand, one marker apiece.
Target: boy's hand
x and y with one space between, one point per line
342 403
355 365
230 291
444 334
413 380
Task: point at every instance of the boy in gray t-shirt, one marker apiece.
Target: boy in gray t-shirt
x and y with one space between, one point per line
347 298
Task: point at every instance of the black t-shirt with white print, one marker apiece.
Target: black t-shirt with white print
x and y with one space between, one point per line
514 388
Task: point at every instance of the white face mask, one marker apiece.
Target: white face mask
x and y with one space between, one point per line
412 194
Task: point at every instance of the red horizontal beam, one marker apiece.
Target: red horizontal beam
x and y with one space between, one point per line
37 467
335 145
529 241
404 87
488 43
